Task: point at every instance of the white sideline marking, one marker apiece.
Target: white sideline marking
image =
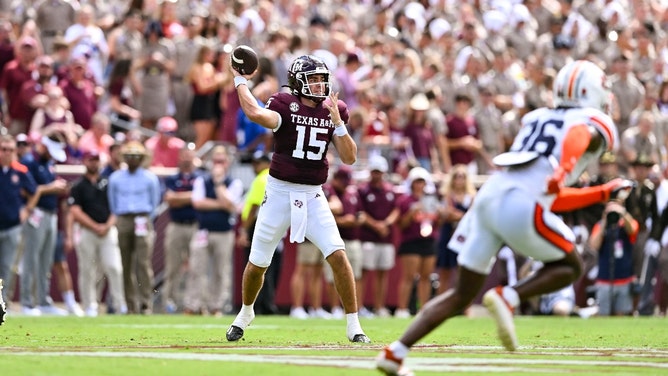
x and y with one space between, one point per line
417 364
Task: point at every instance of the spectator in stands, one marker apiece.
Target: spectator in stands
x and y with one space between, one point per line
165 146
82 91
115 160
96 237
122 92
55 117
15 182
457 195
14 74
126 41
344 200
613 238
421 135
626 88
205 82
87 39
380 212
490 127
639 140
40 230
97 138
33 91
186 48
53 18
420 214
462 136
180 230
215 198
155 64
134 195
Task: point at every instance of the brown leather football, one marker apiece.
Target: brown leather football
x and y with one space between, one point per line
244 60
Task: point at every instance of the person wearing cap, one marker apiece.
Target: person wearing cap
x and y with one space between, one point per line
15 179
420 215
23 147
215 197
420 133
463 135
96 237
41 229
80 88
344 200
165 145
15 74
265 303
134 196
180 229
34 91
380 213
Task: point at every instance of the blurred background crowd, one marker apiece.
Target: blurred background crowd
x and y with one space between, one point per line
437 85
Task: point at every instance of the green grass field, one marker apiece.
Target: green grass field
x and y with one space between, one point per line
193 346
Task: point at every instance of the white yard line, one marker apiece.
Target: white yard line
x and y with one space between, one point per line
462 364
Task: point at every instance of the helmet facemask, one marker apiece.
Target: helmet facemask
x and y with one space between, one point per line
298 78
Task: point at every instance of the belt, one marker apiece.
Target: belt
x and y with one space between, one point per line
133 215
177 78
46 211
186 222
49 33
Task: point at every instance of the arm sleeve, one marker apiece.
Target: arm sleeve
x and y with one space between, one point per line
570 199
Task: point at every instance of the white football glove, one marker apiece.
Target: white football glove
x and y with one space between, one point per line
652 248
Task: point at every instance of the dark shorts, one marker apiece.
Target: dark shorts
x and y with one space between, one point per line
60 255
446 258
421 247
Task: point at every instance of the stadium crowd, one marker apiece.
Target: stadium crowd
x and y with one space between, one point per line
435 90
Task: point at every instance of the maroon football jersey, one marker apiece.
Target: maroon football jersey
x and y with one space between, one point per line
302 140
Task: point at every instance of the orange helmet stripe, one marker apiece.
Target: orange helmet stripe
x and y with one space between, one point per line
572 79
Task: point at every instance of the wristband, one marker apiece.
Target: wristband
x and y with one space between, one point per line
341 130
240 80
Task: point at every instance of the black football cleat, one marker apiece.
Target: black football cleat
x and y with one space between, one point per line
360 338
234 333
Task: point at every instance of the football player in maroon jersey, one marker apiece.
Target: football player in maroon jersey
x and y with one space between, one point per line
304 121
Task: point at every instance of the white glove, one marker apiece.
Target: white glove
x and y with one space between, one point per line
652 248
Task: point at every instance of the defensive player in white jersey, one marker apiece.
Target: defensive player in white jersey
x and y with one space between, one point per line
516 206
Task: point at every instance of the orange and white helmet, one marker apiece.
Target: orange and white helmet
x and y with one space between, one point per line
582 83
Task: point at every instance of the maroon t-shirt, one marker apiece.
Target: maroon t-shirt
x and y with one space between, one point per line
82 100
350 201
458 128
378 203
13 77
412 232
302 140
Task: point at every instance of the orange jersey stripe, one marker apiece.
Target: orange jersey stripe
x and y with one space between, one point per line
605 129
571 80
549 234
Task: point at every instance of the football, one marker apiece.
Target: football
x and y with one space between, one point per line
244 60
